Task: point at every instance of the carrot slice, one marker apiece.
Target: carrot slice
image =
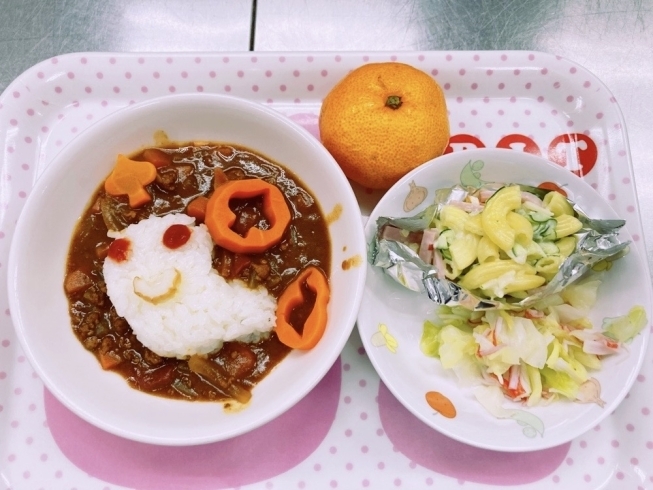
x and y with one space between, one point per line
197 208
292 296
109 360
130 177
219 217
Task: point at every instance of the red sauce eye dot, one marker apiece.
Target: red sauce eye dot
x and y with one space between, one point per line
176 236
119 249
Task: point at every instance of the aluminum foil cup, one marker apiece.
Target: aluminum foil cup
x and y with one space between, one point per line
597 240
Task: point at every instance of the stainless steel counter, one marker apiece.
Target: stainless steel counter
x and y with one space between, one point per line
34 30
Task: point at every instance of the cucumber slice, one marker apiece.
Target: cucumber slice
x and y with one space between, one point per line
549 248
518 253
545 231
538 217
445 238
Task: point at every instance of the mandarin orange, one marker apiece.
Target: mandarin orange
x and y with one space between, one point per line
383 120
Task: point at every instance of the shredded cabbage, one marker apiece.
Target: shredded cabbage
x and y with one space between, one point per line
625 328
538 354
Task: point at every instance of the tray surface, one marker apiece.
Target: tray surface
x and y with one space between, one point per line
528 101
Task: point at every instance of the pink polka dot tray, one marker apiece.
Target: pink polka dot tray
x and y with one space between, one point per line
350 431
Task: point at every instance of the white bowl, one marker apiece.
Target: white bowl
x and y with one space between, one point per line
409 374
40 245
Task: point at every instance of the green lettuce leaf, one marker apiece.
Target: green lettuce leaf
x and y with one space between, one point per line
625 328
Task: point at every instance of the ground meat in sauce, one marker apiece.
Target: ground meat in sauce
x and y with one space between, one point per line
185 172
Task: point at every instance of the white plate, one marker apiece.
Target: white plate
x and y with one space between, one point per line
409 374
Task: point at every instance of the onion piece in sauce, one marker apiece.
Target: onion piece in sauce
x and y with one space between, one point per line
217 376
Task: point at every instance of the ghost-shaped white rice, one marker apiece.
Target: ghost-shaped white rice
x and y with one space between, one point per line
175 302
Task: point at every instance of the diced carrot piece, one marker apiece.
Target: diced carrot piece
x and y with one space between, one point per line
109 360
219 178
157 157
197 208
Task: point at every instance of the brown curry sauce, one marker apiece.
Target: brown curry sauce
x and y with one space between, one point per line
185 172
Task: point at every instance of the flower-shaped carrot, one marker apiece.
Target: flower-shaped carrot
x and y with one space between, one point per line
130 177
219 218
292 297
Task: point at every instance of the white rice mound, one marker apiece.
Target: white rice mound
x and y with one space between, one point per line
204 310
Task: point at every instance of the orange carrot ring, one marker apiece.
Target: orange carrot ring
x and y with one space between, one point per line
292 296
219 218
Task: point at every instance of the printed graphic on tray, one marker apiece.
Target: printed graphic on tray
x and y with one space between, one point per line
519 142
577 152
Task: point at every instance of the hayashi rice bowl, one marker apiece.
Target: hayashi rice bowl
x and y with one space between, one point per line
40 247
186 285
